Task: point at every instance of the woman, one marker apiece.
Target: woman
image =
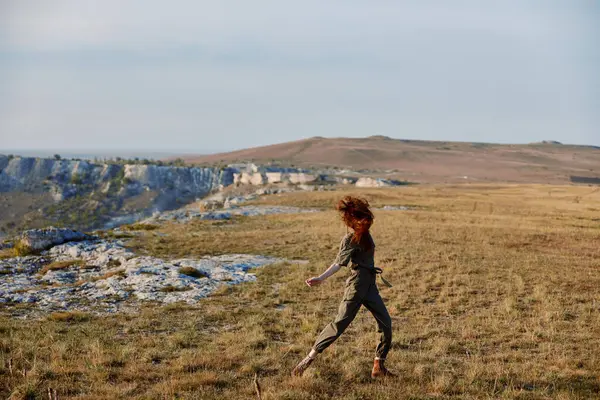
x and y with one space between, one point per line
357 250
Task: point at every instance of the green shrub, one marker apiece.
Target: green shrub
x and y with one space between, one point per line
193 272
76 179
21 250
114 263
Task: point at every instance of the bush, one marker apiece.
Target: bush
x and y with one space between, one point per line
57 157
76 179
120 174
193 272
140 227
114 263
179 162
21 250
170 289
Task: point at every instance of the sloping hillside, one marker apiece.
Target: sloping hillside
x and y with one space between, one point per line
428 161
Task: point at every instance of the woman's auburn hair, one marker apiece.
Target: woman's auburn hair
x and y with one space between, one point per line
357 215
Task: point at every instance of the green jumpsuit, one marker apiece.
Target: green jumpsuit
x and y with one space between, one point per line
361 289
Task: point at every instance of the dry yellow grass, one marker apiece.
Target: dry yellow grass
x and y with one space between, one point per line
140 227
58 265
495 296
6 253
108 275
73 316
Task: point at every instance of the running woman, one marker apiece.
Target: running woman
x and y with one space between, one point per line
357 251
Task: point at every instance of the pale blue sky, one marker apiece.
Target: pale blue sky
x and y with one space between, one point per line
205 76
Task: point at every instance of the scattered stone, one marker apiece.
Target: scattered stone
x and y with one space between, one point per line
396 208
185 215
234 201
42 239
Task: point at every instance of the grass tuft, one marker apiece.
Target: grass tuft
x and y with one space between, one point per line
140 227
6 253
69 316
118 273
21 250
58 265
171 288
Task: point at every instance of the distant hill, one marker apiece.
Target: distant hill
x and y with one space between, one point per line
429 161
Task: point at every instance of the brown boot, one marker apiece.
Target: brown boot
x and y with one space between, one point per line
302 366
380 370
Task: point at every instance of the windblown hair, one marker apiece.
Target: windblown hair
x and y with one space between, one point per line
356 215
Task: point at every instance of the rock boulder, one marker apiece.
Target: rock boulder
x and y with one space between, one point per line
43 239
376 182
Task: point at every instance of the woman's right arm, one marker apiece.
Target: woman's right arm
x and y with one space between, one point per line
317 280
343 258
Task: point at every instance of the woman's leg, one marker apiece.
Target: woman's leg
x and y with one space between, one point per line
375 305
346 314
356 290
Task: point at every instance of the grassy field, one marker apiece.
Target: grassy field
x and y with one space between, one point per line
496 295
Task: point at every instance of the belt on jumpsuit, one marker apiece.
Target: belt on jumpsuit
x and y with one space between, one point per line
377 271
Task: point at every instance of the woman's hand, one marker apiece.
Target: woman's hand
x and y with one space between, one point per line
314 281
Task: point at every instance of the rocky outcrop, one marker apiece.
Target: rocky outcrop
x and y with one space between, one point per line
395 208
368 182
252 174
339 180
103 276
182 181
36 240
108 195
112 192
67 178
